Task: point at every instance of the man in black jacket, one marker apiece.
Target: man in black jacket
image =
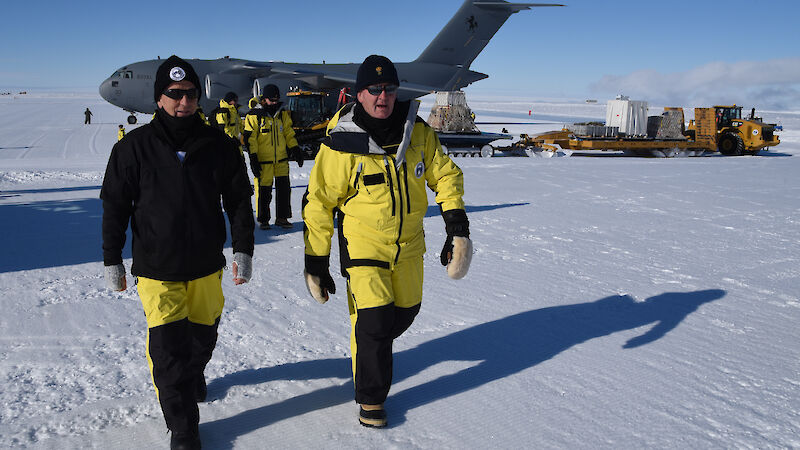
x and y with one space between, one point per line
167 178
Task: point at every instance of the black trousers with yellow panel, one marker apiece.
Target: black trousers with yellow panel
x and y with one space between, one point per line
283 208
383 303
277 172
182 321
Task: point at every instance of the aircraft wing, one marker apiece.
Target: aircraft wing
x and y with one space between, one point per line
303 74
323 78
514 7
318 79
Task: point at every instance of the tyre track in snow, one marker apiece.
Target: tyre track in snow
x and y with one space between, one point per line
31 146
93 146
66 145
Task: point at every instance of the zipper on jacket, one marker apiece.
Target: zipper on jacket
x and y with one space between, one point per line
355 183
358 174
275 119
391 184
400 193
405 181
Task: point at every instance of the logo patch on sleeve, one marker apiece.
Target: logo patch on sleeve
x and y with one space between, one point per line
419 169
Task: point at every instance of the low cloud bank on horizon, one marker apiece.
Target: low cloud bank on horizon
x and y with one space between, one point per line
772 84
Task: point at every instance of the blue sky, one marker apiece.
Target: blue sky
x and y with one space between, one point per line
679 50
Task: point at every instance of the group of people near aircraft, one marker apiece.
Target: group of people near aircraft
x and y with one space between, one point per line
172 178
267 137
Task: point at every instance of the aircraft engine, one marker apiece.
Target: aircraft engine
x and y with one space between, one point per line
217 85
258 85
284 85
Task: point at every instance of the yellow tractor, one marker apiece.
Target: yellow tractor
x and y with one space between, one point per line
739 136
310 117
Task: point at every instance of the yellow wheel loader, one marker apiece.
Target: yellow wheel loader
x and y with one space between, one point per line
310 118
740 136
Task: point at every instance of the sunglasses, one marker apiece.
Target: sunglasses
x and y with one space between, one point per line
177 94
376 90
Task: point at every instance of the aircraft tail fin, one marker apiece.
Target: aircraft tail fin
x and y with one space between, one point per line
470 29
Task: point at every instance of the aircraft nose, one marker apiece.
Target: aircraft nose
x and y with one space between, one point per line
106 90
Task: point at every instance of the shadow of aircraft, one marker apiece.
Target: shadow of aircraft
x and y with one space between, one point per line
51 190
501 347
50 234
55 233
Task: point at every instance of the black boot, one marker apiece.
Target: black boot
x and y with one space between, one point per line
373 416
184 441
200 389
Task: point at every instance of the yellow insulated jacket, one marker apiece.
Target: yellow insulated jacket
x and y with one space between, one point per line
227 119
269 136
381 197
202 116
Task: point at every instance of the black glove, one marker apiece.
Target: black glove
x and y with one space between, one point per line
297 155
318 278
447 250
255 165
455 224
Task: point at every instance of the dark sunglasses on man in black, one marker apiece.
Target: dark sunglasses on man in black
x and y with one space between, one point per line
177 94
376 90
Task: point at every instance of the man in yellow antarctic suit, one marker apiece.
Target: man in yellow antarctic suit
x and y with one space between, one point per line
371 171
226 117
270 140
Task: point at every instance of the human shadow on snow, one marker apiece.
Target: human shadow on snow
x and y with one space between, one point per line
433 210
55 233
501 348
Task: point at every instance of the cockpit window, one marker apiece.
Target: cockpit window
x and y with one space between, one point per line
122 74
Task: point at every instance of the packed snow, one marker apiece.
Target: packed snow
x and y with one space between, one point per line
612 302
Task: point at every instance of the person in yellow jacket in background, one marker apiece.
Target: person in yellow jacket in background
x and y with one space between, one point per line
120 133
372 171
270 140
202 114
253 102
226 117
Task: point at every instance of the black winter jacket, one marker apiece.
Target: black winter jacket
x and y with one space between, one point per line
174 207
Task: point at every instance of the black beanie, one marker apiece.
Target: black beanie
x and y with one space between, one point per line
230 96
271 92
172 70
376 69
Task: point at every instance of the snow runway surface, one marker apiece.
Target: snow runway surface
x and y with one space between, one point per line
612 303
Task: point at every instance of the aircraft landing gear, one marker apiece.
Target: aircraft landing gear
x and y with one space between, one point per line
132 119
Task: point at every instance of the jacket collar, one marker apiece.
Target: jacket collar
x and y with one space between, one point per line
346 136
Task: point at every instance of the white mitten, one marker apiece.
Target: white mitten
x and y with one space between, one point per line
115 277
462 256
243 265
